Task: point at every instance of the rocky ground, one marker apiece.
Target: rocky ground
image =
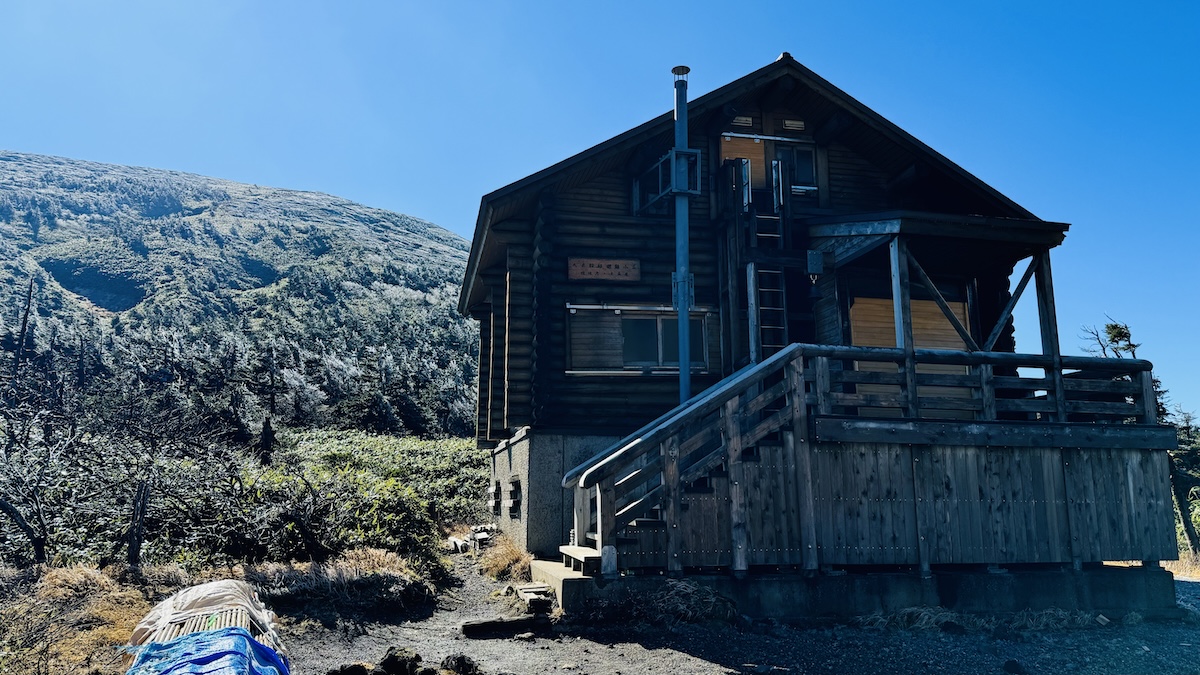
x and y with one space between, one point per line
745 647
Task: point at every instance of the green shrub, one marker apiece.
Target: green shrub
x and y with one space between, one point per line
450 475
325 493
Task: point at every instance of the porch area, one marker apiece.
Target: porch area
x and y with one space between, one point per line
830 459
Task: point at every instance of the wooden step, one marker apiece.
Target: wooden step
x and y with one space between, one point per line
582 559
537 598
644 522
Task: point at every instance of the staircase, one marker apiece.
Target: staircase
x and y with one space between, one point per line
628 497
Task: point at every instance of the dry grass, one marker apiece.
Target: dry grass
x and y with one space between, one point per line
688 602
75 620
67 620
505 561
1187 566
64 584
359 582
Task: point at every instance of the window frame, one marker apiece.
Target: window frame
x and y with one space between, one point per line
701 364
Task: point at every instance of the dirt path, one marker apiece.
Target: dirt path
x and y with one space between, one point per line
1158 648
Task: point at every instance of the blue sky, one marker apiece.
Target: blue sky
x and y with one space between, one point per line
1084 112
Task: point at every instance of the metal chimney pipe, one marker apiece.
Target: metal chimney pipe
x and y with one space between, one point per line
683 276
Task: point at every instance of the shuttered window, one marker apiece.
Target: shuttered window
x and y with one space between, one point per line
734 147
872 324
630 340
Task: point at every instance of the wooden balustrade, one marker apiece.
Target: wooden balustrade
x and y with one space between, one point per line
810 393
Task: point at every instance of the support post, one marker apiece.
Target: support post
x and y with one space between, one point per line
739 539
923 544
1075 528
583 515
987 392
1149 398
822 385
755 334
606 527
1048 320
902 312
798 442
671 503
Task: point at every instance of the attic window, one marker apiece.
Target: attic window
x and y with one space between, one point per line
742 121
799 163
793 125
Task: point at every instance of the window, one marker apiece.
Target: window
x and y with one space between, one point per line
653 341
632 339
800 166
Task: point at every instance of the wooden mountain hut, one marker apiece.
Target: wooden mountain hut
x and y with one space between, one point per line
857 403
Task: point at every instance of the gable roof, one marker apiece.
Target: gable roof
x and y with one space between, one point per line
862 128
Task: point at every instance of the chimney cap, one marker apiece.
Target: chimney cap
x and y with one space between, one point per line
680 72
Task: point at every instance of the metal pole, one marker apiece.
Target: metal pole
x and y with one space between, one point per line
683 278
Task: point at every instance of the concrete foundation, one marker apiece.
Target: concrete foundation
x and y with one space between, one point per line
1114 591
540 519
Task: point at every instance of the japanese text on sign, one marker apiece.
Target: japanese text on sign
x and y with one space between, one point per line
604 268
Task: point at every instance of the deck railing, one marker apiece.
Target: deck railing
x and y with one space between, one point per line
804 385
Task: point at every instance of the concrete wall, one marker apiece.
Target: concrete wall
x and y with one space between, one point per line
538 461
1113 591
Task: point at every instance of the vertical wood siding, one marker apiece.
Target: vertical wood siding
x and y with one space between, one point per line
973 505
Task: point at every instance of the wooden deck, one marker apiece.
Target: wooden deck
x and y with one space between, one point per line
788 464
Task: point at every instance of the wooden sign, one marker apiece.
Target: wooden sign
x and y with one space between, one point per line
604 268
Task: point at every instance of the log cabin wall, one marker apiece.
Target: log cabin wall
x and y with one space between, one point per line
585 355
496 367
593 391
482 401
518 356
854 184
531 332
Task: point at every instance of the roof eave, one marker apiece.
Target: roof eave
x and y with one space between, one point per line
699 107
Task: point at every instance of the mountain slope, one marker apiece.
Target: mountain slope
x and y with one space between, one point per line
249 302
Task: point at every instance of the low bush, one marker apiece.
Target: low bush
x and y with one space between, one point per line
314 513
451 474
325 493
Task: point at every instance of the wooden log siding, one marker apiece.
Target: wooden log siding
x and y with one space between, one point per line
496 429
593 221
543 360
847 491
518 346
483 402
853 182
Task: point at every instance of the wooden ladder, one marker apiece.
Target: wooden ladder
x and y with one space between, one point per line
766 290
